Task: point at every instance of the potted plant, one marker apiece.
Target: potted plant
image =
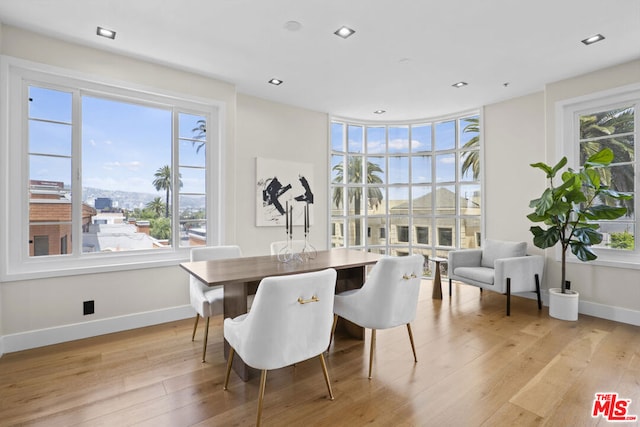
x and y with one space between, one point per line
568 212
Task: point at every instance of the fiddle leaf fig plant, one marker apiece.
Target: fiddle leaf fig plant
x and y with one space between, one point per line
568 210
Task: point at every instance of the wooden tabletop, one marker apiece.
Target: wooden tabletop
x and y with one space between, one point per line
248 269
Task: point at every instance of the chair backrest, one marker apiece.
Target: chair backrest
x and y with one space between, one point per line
204 253
296 246
389 297
290 320
497 249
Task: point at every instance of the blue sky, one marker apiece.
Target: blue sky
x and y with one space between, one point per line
421 143
123 144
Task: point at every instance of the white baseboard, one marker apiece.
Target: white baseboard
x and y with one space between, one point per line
58 334
617 314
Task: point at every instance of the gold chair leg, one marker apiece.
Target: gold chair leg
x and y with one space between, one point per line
193 335
373 346
206 338
413 347
263 383
326 375
333 330
229 362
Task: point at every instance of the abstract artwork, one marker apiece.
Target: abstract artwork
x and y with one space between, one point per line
279 182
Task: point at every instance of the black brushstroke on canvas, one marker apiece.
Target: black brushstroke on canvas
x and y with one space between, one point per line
308 195
273 191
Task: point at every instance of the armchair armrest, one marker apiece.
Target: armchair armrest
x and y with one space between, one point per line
521 271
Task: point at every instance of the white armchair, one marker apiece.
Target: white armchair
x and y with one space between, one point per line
388 298
208 301
499 266
290 321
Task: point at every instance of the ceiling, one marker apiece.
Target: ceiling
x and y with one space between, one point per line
403 58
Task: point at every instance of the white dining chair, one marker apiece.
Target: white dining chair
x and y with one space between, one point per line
290 322
208 301
388 298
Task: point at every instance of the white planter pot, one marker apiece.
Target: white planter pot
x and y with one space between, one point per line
563 306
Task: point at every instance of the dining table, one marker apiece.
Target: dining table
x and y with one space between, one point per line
240 277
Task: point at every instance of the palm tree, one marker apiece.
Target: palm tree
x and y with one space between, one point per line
607 130
162 181
471 154
200 132
354 175
156 205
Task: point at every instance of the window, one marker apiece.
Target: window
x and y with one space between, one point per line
108 172
403 233
445 236
610 120
422 235
406 178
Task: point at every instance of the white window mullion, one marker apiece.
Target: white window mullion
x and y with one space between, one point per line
76 176
175 179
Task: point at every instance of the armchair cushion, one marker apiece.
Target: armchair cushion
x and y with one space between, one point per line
497 249
477 274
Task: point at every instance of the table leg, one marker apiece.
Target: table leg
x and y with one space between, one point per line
351 278
437 283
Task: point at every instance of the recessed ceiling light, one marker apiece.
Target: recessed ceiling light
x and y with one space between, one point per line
344 32
593 39
379 112
276 82
292 25
460 84
103 32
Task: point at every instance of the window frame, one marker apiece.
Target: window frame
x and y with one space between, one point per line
339 152
567 114
15 262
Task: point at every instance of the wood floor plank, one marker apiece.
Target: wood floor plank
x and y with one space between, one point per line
476 367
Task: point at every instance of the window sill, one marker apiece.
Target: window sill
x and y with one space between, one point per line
60 266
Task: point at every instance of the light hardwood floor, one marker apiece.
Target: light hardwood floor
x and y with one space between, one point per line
476 367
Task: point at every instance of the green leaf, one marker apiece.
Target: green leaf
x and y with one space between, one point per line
545 238
593 178
604 212
616 194
546 168
558 166
587 235
601 158
534 217
566 184
544 202
582 252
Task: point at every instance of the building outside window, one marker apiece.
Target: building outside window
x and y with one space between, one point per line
408 180
108 170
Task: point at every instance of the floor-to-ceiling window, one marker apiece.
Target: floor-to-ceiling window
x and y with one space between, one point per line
406 188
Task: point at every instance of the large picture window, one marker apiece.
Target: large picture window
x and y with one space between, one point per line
609 121
415 180
103 172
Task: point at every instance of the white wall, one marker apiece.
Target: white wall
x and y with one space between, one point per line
513 138
276 131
